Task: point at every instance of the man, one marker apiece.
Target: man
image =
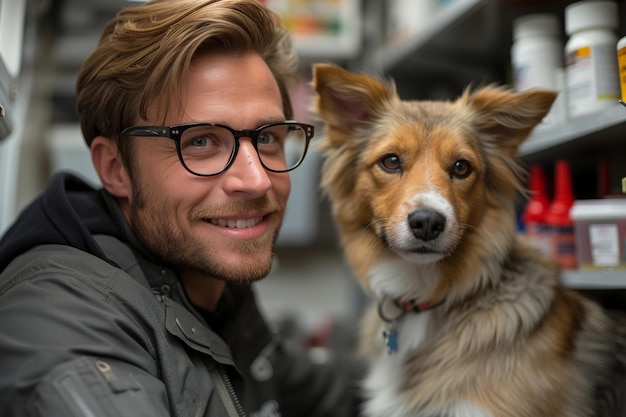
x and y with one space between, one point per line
134 300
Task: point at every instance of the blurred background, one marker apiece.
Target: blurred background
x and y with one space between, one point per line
433 49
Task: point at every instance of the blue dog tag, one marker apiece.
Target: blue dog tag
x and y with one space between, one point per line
391 340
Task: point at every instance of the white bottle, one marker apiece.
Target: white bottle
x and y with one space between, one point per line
590 60
537 57
536 51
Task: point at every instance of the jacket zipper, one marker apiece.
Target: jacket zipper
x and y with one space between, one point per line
73 391
223 384
224 388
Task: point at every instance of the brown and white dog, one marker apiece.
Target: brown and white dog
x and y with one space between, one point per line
475 320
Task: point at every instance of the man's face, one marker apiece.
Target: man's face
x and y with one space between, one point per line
222 226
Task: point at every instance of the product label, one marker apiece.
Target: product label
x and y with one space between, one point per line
564 246
605 72
604 244
579 77
592 78
621 63
539 234
521 76
584 52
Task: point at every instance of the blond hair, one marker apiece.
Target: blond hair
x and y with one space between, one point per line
145 52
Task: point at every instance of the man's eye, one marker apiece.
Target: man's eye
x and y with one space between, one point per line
390 163
199 141
265 138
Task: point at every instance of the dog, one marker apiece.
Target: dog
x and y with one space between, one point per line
468 319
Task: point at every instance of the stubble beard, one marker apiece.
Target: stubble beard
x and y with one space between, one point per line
157 231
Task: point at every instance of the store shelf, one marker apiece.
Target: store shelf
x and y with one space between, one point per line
423 43
580 135
464 38
466 41
595 280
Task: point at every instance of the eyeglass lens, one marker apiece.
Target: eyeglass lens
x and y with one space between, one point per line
207 150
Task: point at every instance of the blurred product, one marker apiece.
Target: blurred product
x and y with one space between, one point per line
536 51
591 62
621 65
600 227
537 57
536 210
559 220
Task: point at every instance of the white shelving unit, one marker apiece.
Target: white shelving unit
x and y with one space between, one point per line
595 280
602 128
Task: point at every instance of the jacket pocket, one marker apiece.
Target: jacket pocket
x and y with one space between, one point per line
88 387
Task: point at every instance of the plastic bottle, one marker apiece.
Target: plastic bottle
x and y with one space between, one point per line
536 210
536 51
563 240
621 64
537 56
590 59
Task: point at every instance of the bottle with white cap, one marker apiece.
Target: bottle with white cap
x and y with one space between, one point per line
537 57
537 51
590 60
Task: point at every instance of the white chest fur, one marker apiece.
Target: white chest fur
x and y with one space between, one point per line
387 374
385 380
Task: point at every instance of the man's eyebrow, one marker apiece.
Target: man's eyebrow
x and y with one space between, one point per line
259 122
269 120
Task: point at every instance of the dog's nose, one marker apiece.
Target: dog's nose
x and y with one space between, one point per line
426 224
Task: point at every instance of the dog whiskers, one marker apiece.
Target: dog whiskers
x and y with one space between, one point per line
374 223
465 227
378 226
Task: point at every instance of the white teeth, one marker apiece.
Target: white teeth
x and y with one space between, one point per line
237 223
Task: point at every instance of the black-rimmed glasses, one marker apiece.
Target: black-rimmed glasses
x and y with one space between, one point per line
207 149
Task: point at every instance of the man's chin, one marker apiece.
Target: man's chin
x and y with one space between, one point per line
244 267
234 261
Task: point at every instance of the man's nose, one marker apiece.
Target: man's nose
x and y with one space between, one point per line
247 173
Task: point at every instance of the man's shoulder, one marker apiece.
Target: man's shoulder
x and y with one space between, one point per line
49 258
64 266
54 257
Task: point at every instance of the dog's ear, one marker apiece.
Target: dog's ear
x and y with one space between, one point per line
509 117
345 99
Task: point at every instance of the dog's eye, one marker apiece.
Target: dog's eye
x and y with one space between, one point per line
461 169
390 163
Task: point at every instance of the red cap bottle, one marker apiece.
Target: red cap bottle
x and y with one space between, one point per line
538 203
536 209
559 220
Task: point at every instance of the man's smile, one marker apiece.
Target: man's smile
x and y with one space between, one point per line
237 223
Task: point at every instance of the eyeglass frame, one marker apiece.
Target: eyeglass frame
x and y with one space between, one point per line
175 132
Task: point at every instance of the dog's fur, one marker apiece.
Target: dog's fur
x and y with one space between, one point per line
424 195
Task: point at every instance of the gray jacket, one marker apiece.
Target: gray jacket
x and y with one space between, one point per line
114 335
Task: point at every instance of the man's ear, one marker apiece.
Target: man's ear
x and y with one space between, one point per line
108 163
